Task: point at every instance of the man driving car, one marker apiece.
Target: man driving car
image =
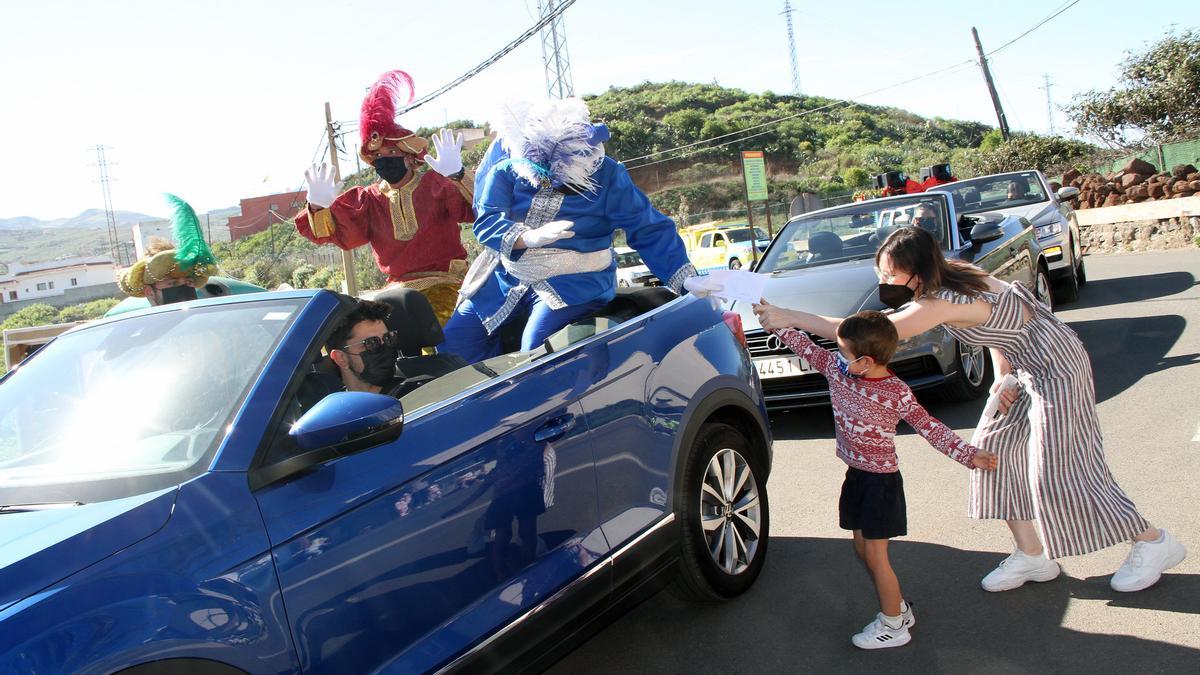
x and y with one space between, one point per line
364 351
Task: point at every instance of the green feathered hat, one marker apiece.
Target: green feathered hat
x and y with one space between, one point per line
190 258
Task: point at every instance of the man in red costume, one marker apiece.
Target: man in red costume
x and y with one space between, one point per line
411 217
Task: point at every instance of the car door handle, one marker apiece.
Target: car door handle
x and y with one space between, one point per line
554 429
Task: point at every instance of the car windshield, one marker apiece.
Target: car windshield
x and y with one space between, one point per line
996 192
133 405
629 259
742 234
851 232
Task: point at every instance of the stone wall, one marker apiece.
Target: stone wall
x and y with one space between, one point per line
1147 226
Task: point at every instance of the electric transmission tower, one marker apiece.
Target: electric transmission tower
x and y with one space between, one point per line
116 250
1049 103
554 52
787 13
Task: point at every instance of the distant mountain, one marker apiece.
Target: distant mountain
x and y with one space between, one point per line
89 219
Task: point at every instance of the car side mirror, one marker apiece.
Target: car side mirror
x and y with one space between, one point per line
982 233
1066 194
340 424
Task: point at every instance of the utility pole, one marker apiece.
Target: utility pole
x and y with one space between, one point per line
554 52
115 248
787 12
987 77
1049 103
347 256
208 222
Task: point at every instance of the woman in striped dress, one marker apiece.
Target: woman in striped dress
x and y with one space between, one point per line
1053 484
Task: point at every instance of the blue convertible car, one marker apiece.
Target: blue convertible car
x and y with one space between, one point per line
184 490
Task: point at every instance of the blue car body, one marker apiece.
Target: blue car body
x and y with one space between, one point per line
374 560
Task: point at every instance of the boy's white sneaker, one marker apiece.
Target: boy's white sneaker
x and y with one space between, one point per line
1146 563
1018 568
879 635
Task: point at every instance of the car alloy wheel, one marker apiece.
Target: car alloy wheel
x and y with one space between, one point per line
724 515
735 264
730 511
1042 289
973 361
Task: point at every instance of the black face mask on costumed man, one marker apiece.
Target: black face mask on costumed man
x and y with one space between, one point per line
391 169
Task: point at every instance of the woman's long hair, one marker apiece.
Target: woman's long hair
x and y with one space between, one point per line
915 251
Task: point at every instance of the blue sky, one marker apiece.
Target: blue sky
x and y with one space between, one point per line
220 100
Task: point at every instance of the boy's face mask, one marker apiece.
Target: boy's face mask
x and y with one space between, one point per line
844 365
181 293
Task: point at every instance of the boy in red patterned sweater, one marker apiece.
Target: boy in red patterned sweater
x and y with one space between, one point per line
868 402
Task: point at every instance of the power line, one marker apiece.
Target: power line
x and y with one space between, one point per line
546 20
1060 10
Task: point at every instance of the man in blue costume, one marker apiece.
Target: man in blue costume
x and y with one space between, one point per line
548 202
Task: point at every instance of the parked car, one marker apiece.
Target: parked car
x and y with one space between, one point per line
186 489
631 269
718 247
824 262
1028 194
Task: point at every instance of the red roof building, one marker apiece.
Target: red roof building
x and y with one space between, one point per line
259 212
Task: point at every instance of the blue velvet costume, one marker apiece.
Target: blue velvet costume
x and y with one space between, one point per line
557 292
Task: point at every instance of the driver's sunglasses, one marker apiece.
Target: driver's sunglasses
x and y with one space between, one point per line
375 342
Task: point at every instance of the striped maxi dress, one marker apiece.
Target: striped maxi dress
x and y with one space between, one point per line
1052 468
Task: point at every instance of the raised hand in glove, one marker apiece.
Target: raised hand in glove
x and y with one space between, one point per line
701 286
547 234
322 188
448 146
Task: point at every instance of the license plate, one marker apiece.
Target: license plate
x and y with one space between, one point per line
788 366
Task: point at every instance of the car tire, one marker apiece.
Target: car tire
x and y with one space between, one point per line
1067 289
1042 290
735 264
714 515
973 376
1081 273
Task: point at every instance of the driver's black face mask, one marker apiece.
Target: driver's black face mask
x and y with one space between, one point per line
391 169
181 293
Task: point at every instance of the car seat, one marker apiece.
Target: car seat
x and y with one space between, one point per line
416 327
824 246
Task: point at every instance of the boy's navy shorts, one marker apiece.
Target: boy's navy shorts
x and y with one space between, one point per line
873 503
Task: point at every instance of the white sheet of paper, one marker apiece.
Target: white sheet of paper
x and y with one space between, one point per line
739 285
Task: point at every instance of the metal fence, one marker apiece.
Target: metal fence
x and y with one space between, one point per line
1162 156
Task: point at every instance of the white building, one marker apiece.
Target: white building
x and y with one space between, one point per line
55 277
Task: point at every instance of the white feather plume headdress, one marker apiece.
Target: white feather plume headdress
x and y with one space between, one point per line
551 140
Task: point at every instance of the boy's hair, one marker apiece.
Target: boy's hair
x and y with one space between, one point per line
870 333
366 310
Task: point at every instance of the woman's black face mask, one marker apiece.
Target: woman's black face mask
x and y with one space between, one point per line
391 169
895 295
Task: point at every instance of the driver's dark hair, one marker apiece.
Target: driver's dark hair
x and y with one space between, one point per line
913 250
367 310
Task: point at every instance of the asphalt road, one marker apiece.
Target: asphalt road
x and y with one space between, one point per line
1140 318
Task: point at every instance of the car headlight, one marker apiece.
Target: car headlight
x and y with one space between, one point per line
1049 230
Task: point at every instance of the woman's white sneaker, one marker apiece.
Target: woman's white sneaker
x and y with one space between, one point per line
1018 568
879 635
1146 563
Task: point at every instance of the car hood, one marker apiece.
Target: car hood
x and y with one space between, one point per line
38 548
838 290
1034 213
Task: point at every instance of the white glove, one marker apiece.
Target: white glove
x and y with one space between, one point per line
548 234
701 287
322 188
448 146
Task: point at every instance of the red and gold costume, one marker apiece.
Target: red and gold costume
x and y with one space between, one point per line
412 225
